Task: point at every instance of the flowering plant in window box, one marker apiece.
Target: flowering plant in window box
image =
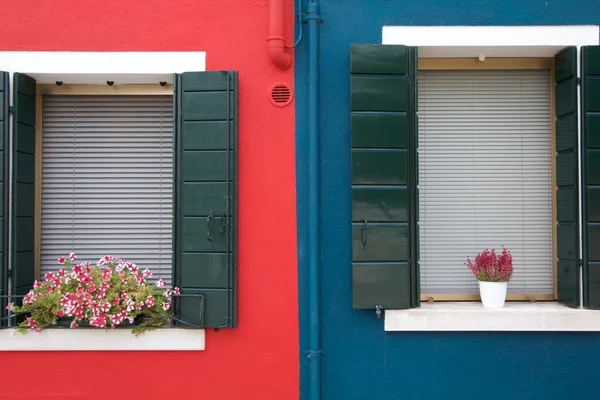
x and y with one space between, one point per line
106 295
493 271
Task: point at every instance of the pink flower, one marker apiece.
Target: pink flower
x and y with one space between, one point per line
176 291
73 325
60 313
49 276
38 330
31 323
60 273
100 262
120 266
133 268
115 302
149 301
61 260
37 284
140 279
166 305
78 269
72 256
161 283
28 297
10 306
67 280
147 273
106 274
168 293
489 267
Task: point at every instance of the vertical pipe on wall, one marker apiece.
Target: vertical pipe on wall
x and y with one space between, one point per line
314 186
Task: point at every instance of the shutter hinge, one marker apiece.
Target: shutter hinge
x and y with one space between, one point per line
578 80
581 263
9 274
11 109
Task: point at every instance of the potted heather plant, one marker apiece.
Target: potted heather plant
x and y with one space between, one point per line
493 271
108 294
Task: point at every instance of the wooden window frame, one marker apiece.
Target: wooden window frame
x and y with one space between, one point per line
73 90
508 63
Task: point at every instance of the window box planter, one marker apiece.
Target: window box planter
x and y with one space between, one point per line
112 293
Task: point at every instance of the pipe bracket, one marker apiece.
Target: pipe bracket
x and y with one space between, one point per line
314 354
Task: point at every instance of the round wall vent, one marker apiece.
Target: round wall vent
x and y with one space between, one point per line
281 95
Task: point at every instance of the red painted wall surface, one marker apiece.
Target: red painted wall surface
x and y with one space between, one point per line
258 360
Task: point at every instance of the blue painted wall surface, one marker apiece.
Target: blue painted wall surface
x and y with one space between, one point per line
361 360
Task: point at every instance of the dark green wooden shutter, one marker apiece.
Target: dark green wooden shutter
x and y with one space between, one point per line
23 183
4 179
384 176
567 179
591 174
206 197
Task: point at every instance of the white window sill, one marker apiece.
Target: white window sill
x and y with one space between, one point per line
473 317
102 340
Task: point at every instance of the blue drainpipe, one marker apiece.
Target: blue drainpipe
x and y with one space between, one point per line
314 198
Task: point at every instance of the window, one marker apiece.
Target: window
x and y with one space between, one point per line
107 179
144 172
485 178
403 184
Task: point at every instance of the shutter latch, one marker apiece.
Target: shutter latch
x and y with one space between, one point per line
378 309
363 234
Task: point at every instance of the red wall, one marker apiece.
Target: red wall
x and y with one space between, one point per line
258 360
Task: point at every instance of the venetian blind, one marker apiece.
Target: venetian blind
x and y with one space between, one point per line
485 176
107 180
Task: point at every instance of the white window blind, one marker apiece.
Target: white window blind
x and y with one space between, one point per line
107 180
485 176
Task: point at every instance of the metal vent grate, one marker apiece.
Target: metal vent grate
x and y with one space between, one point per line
281 95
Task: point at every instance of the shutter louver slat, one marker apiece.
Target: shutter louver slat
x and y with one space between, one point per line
485 176
107 180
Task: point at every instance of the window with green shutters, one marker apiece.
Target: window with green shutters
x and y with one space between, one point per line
204 242
384 177
383 164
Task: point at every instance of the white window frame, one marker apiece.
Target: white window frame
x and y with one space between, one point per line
93 68
493 41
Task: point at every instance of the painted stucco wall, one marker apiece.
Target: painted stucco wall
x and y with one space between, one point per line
361 361
259 359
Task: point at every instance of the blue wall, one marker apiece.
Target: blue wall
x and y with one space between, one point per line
361 360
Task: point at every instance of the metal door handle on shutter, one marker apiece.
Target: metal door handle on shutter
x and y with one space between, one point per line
363 235
209 221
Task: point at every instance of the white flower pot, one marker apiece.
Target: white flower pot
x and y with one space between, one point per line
493 294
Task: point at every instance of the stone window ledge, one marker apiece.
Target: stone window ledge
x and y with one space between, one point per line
471 316
93 339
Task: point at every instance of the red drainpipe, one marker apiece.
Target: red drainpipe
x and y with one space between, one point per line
276 40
